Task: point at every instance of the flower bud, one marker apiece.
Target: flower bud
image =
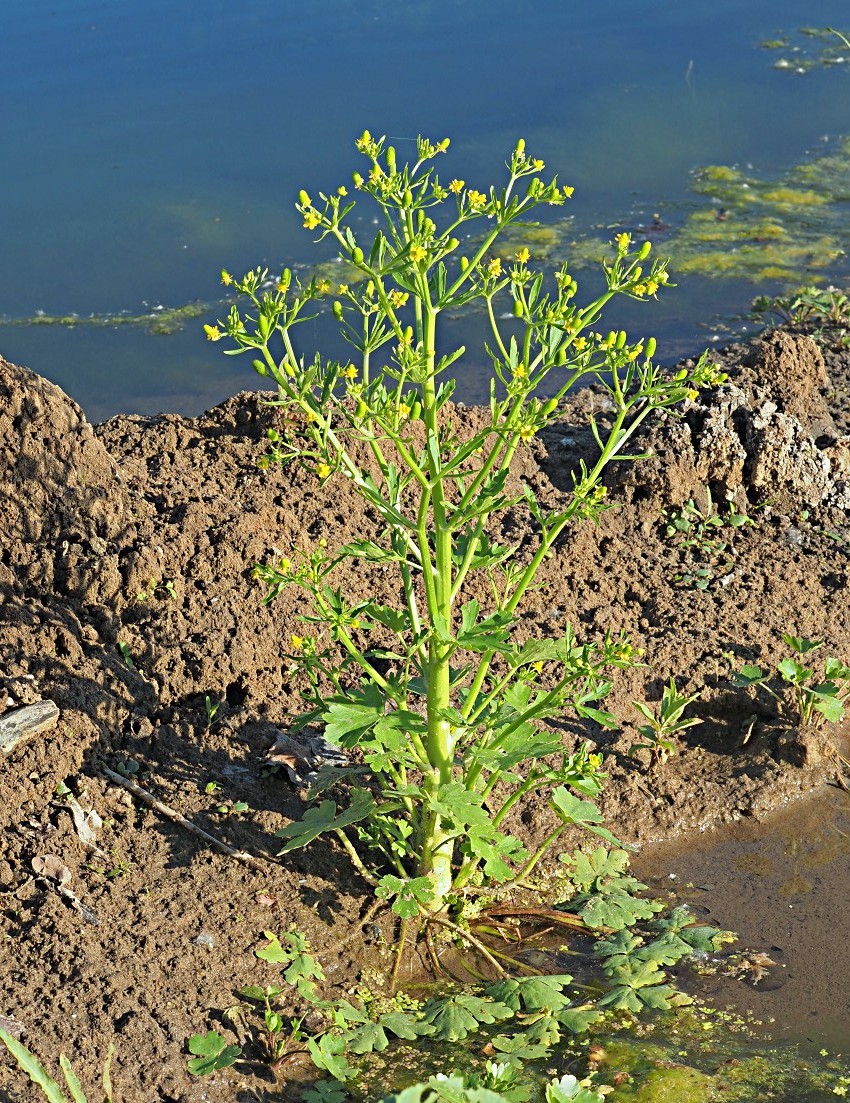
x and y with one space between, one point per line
644 250
550 407
259 367
621 339
357 255
391 158
651 345
520 147
337 309
518 308
304 199
464 263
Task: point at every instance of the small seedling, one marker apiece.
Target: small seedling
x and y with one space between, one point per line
229 807
211 787
211 707
128 769
813 701
693 529
126 655
660 732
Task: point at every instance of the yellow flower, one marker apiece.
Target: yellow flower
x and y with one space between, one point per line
523 256
285 565
403 409
456 186
580 343
476 199
311 219
226 278
323 287
350 372
297 642
417 253
692 395
537 164
281 287
342 190
526 432
623 241
651 287
494 267
399 298
568 191
639 289
213 333
342 289
323 470
521 372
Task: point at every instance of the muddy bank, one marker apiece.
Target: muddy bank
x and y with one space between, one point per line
128 599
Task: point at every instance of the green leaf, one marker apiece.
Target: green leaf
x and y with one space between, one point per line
793 672
348 718
326 1091
616 909
518 1049
581 812
829 706
409 894
487 634
532 993
369 550
577 1020
368 1038
33 1068
328 1053
802 646
748 676
324 818
71 1079
211 1053
455 1017
407 1027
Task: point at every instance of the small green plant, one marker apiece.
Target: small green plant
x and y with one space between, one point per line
659 733
441 701
152 587
51 1090
126 655
811 697
693 530
211 708
827 305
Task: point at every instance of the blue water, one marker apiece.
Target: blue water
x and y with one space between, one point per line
146 145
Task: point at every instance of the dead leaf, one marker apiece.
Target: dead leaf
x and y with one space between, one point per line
51 867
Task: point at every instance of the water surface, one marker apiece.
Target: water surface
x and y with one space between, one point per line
149 144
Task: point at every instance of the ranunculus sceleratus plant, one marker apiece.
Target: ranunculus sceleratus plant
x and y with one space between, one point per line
444 706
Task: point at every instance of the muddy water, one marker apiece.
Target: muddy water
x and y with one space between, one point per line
783 884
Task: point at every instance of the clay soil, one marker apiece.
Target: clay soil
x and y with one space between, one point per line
128 599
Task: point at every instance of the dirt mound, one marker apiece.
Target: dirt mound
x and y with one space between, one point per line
129 599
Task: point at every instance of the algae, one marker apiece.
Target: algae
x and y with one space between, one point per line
161 322
806 49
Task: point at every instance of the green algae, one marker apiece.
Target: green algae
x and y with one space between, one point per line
806 49
160 322
777 230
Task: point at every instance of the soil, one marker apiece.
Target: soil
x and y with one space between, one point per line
128 599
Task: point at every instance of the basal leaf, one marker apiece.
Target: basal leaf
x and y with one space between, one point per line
368 1038
405 1026
455 1017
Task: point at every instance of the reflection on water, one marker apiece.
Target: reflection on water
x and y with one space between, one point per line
150 144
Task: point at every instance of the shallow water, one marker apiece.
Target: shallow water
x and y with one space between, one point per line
781 884
148 145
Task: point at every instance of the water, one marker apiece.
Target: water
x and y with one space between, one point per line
148 145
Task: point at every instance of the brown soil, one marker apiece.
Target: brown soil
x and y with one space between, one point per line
93 516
